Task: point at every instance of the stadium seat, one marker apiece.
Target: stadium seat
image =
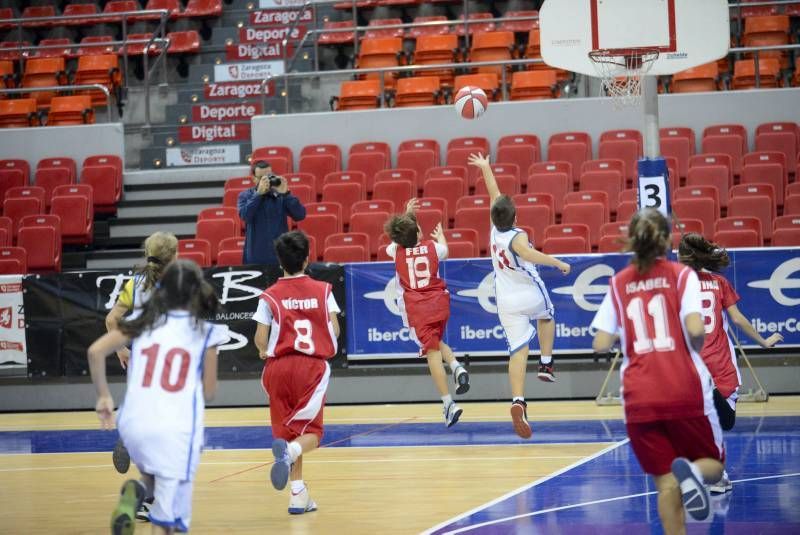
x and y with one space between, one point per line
64 50
696 208
375 205
565 245
358 95
767 159
346 177
519 26
74 10
780 137
186 42
40 236
100 69
120 6
713 176
380 33
610 182
369 158
768 31
334 208
344 254
685 226
48 178
589 196
103 173
594 214
461 249
36 11
618 228
230 197
508 184
757 188
536 217
492 46
434 203
418 91
13 261
44 72
348 238
172 6
70 111
791 205
13 173
679 143
337 38
783 237
18 113
302 179
198 250
580 230
434 50
7 75
60 162
230 257
625 145
371 224
730 139
86 50
572 147
474 143
203 9
784 221
480 27
232 244
6 231
421 144
772 174
319 227
447 171
473 201
345 194
378 53
428 218
418 161
476 219
555 184
216 230
319 165
499 169
737 238
699 192
612 243
522 150
74 206
462 234
279 158
536 199
744 73
741 223
628 195
239 182
450 189
221 212
34 192
397 191
760 206
712 160
487 81
534 85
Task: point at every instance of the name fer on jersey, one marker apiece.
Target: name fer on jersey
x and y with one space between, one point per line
417 251
300 304
646 285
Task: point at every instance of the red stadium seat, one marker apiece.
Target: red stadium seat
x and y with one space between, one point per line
120 6
13 173
499 169
420 161
388 175
106 183
791 205
434 203
13 261
745 190
344 254
348 238
625 145
371 224
369 163
565 245
771 174
730 139
18 113
784 221
679 143
346 177
737 238
32 12
584 197
198 250
536 199
337 38
172 6
741 223
397 191
552 178
473 201
697 208
580 230
699 192
230 197
476 219
461 249
230 257
74 205
49 178
302 179
221 212
536 217
450 189
240 183
476 144
780 137
713 160
203 9
40 236
95 50
593 214
508 185
420 31
628 195
280 158
619 228
186 42
766 161
713 176
375 205
462 234
760 206
686 226
216 230
232 244
522 150
783 237
346 194
6 231
19 207
319 165
609 182
421 144
27 191
572 147
428 218
319 226
334 208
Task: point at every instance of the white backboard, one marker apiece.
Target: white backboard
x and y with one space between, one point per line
687 33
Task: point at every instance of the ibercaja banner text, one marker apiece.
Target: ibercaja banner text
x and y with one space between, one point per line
66 312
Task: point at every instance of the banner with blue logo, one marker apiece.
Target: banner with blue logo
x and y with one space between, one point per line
768 281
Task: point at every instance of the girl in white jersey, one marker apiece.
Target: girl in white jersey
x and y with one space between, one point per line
172 372
160 249
520 294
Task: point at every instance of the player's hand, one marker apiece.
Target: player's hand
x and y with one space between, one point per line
262 355
479 160
263 185
772 340
564 268
412 205
437 232
124 355
105 411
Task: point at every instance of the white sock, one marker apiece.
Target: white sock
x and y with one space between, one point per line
295 450
518 398
454 365
546 359
447 400
298 486
696 471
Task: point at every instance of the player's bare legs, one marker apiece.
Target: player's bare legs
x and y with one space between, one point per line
517 368
460 375
435 357
547 334
289 466
670 508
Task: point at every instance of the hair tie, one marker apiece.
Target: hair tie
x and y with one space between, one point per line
154 260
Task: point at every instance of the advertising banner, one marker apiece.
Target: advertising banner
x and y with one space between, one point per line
228 72
768 281
280 17
278 4
212 113
13 352
257 51
272 35
233 90
208 133
203 155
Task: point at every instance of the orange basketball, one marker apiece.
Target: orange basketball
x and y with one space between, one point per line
471 102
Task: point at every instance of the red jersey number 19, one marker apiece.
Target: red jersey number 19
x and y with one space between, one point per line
419 271
643 342
304 342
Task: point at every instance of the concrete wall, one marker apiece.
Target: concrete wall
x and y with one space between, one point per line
76 142
543 118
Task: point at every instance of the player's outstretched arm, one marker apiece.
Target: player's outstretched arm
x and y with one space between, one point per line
97 353
442 250
482 162
210 364
412 205
521 246
744 324
260 339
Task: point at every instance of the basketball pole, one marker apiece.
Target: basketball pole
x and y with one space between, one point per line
604 398
652 142
760 394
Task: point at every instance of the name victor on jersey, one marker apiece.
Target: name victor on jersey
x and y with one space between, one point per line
300 304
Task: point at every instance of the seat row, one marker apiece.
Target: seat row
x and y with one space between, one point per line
37 247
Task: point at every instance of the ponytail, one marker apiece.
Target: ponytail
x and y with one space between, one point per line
698 253
160 248
648 238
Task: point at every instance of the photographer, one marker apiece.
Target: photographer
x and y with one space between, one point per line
264 208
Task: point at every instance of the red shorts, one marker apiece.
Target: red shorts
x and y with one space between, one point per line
296 386
429 335
657 444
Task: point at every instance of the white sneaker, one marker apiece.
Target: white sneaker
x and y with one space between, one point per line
301 503
461 378
694 493
722 486
451 414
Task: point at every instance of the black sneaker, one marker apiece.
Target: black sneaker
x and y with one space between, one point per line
123 518
546 372
519 417
461 378
143 514
120 457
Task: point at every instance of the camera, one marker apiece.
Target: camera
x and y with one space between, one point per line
274 181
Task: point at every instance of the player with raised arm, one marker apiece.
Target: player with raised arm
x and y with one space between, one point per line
719 300
172 372
654 307
424 300
296 335
521 296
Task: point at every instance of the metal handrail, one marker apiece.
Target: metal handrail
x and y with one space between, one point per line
756 55
86 45
101 16
64 88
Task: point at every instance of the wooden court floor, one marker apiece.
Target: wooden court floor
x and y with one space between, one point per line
359 490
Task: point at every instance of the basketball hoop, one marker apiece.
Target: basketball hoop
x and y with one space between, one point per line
621 70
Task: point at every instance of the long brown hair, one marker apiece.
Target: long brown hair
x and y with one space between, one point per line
160 248
648 238
182 287
698 253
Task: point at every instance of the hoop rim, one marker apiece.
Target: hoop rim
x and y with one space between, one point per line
603 53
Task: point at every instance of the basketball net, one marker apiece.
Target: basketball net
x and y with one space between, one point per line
621 70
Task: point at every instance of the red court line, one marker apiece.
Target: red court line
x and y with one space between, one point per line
363 433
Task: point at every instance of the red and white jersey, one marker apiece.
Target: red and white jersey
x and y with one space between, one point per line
517 282
716 295
662 377
423 293
298 311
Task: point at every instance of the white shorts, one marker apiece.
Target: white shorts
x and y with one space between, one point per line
518 324
172 507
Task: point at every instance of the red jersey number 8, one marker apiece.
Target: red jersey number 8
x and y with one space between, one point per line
708 301
304 343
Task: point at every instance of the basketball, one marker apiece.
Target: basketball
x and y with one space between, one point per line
471 102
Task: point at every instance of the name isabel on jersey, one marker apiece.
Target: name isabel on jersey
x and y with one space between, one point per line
646 285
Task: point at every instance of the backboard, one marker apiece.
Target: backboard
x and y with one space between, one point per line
687 33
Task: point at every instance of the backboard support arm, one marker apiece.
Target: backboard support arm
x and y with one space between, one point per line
652 145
